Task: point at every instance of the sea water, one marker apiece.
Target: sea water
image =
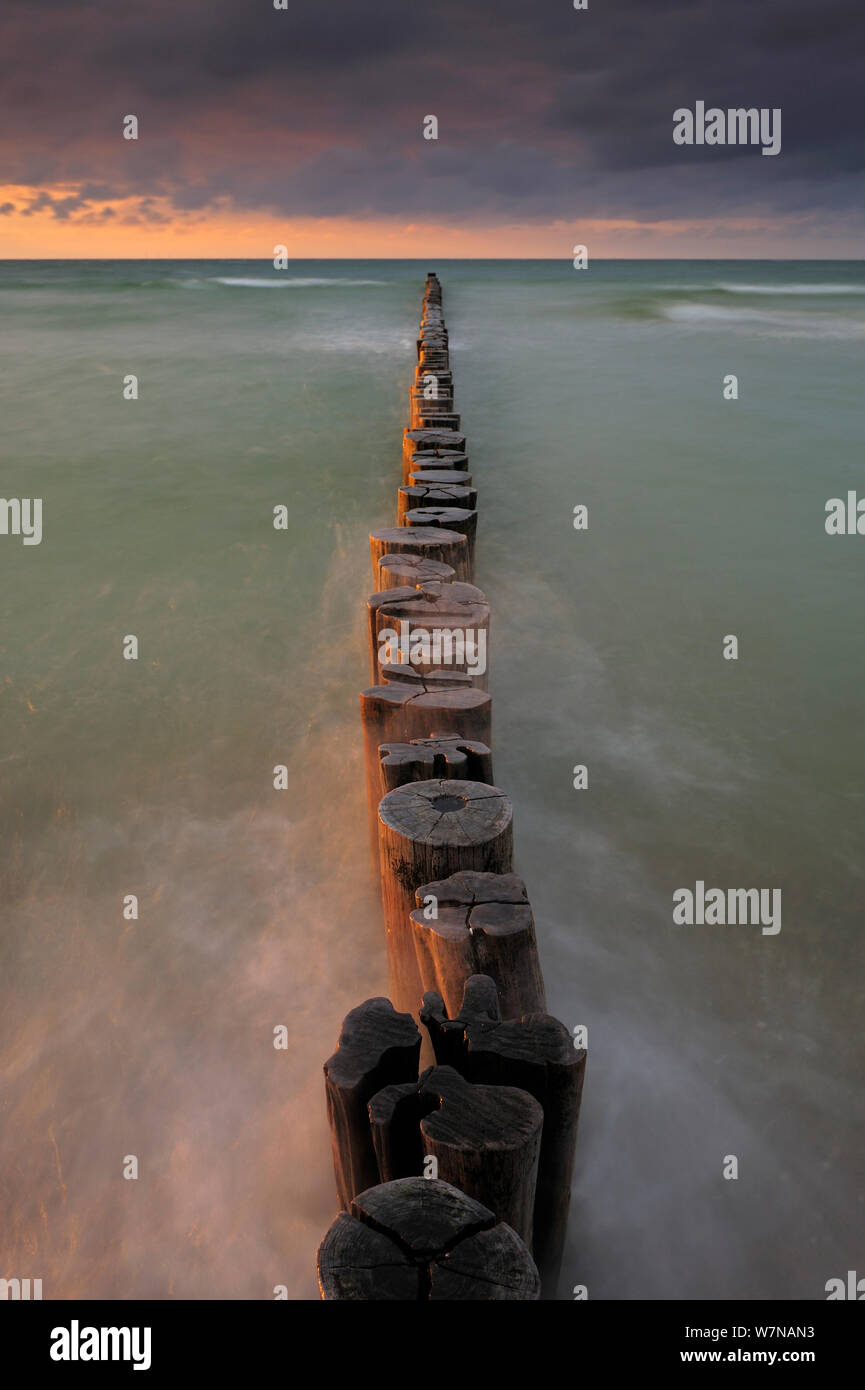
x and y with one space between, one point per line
153 1037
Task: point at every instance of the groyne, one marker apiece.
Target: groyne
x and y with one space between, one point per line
455 1183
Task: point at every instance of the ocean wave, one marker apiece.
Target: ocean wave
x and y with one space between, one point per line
725 287
777 324
789 289
243 282
713 313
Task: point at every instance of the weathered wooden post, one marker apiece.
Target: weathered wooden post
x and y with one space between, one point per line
434 626
536 1054
434 458
429 420
434 542
485 1140
427 831
461 519
441 755
399 569
420 1239
423 405
458 477
427 441
424 377
414 495
482 924
408 707
373 604
432 420
432 359
377 1047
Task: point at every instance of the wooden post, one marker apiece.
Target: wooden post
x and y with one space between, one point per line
461 519
431 362
483 926
422 402
426 441
424 759
423 406
403 569
373 604
433 420
485 1140
537 1055
427 542
427 831
431 627
444 379
419 477
420 1239
408 707
433 336
451 459
427 494
377 1047
441 755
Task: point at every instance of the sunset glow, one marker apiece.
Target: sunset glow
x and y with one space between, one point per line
116 229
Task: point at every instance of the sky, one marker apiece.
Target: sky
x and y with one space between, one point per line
304 127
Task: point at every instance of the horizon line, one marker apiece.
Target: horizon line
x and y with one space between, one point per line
552 260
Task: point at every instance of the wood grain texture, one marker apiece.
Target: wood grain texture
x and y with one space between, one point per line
461 519
442 755
406 707
535 1054
427 831
420 1239
400 569
425 494
484 926
485 1140
457 612
432 542
442 458
421 476
377 1047
424 441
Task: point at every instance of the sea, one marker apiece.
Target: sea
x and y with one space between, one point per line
181 940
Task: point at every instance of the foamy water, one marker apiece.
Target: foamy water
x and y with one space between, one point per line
257 909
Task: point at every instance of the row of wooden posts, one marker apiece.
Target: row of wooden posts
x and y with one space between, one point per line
454 1184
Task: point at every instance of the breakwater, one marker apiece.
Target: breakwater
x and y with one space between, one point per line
455 1183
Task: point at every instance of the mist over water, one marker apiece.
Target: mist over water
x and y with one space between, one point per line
258 908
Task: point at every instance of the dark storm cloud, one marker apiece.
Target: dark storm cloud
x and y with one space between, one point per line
545 112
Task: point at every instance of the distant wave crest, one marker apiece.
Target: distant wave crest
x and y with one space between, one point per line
284 283
790 289
725 287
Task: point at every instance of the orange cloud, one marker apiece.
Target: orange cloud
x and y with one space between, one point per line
57 223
